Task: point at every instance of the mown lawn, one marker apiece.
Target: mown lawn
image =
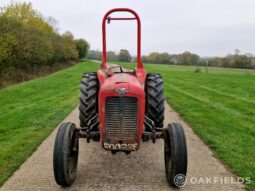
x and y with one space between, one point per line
221 110
219 105
31 110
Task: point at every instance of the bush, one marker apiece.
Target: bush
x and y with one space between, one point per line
28 41
197 70
82 47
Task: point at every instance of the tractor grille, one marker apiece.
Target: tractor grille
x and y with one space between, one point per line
121 118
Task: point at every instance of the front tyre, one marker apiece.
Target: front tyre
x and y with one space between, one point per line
65 160
175 151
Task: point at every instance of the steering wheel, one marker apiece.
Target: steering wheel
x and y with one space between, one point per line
121 70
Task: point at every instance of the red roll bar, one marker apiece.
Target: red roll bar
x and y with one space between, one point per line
108 19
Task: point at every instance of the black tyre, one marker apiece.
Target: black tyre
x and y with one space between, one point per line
154 91
88 98
65 160
176 158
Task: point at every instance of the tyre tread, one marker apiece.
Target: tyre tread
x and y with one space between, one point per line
178 151
88 98
154 91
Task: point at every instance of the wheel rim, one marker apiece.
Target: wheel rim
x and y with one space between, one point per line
71 164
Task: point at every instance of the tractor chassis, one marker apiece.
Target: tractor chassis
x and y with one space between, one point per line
153 134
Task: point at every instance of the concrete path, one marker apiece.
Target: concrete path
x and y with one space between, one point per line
142 170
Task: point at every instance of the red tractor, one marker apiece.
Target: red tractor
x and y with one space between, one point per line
120 108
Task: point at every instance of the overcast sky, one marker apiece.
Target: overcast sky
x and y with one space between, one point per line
205 27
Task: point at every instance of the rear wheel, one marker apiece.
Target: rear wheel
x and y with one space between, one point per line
175 151
155 99
65 160
88 98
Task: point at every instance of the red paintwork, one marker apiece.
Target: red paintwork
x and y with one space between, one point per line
134 89
134 84
139 73
137 18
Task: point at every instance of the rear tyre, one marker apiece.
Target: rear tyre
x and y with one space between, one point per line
155 107
88 98
175 151
65 160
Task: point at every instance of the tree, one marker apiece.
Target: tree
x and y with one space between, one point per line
111 56
153 58
183 58
68 34
25 13
193 59
236 60
124 56
164 58
82 47
242 61
188 58
144 59
94 55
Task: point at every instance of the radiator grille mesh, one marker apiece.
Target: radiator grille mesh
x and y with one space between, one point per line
121 118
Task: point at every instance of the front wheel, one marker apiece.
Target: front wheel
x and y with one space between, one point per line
65 158
175 151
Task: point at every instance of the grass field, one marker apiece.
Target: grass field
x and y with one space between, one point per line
31 110
219 105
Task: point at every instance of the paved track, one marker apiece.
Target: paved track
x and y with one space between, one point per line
100 170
